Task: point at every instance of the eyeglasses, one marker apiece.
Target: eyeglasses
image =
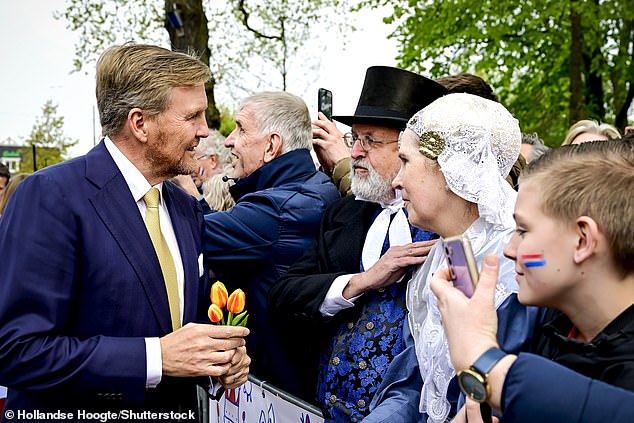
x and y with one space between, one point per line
367 143
203 157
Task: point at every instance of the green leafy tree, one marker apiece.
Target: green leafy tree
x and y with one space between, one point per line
48 140
275 37
247 42
552 62
102 23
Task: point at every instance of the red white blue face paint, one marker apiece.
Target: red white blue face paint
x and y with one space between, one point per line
533 260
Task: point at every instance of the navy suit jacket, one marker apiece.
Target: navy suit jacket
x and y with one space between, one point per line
81 287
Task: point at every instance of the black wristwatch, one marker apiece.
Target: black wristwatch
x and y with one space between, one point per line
473 381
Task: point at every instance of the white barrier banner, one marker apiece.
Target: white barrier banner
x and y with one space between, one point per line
252 404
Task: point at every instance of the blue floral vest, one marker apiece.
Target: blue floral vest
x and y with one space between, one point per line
352 367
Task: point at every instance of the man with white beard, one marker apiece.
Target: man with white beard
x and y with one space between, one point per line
342 299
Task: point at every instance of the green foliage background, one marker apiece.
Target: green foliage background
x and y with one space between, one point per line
523 49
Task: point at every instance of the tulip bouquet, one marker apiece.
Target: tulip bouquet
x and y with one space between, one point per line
236 314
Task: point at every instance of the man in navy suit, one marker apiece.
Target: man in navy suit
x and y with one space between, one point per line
85 320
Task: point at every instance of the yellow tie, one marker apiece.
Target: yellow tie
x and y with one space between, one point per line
162 251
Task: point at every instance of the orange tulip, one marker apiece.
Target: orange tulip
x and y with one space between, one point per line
215 313
219 294
236 301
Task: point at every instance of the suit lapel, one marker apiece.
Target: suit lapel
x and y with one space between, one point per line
118 211
349 227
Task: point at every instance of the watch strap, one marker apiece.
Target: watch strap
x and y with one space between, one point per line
486 361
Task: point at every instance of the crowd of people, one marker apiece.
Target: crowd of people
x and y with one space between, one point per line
108 258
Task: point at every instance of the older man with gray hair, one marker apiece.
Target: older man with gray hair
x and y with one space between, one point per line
212 156
280 198
214 165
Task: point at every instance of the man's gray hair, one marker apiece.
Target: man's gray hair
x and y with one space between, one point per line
539 147
214 144
284 113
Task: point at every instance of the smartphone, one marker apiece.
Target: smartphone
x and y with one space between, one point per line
463 268
324 102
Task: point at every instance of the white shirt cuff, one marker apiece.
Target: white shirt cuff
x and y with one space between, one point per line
334 301
154 362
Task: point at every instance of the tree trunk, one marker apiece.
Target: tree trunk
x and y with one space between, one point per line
595 106
576 110
193 36
621 113
623 83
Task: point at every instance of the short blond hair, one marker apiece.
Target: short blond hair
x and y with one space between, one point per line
594 179
593 127
141 75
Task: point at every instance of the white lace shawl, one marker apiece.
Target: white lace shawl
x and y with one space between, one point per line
425 320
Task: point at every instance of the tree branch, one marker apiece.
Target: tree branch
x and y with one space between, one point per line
245 20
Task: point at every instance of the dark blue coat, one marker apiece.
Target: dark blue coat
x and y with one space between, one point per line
81 287
276 217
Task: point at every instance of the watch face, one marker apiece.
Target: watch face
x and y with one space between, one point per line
472 386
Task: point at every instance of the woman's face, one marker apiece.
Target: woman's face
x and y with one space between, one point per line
422 184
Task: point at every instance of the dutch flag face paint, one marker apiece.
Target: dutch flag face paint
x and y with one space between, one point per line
533 260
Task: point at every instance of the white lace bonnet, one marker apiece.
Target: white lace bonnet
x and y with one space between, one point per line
464 132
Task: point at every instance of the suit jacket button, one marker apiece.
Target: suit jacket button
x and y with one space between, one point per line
350 325
369 325
361 403
335 361
332 399
363 365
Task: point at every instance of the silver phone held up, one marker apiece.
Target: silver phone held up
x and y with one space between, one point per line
463 268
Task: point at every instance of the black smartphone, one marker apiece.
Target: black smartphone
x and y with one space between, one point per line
463 268
324 102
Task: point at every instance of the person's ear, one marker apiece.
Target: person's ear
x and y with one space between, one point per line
137 124
273 147
589 238
213 158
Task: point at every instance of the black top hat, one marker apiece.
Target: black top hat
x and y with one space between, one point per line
390 96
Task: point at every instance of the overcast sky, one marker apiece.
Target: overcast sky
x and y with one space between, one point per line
37 53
